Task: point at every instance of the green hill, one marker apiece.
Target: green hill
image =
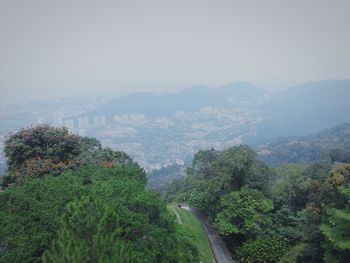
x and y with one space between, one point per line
67 199
286 213
333 143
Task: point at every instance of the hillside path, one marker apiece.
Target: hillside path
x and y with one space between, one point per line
177 215
220 252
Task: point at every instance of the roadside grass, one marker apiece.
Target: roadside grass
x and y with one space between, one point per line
191 223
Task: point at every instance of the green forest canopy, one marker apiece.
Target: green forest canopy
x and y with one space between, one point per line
286 213
67 199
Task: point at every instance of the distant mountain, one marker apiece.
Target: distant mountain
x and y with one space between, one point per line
189 100
306 108
238 113
298 111
333 143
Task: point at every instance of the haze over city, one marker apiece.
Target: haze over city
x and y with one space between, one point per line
52 49
183 131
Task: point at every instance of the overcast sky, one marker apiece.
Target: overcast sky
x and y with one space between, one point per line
63 48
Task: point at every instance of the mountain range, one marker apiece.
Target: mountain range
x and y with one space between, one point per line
189 100
300 110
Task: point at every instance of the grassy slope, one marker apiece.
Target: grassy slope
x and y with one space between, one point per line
191 223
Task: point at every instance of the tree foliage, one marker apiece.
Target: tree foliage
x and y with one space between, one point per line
96 210
243 212
90 232
267 250
335 227
43 150
255 207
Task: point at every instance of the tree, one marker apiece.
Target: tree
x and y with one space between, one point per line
243 212
262 250
326 201
90 233
83 205
335 227
42 150
216 173
41 142
30 214
290 186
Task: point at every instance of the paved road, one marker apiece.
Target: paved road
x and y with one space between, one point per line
218 247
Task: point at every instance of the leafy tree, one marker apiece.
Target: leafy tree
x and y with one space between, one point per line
287 225
324 199
202 161
243 212
318 171
41 142
290 186
293 253
30 214
267 250
33 212
216 173
43 150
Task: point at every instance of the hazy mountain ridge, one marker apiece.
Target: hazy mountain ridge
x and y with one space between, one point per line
307 108
189 100
300 110
158 129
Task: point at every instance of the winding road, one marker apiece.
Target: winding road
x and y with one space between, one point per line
220 252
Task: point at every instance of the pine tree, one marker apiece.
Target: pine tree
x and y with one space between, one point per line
90 233
336 228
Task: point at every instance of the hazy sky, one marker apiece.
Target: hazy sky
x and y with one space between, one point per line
58 48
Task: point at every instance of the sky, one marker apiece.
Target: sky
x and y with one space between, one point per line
82 47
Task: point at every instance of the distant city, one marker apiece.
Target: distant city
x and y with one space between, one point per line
154 142
170 129
177 138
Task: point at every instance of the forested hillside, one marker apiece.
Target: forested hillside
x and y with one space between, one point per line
67 199
286 213
333 144
157 179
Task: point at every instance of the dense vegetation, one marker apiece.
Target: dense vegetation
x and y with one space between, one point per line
286 213
67 199
157 179
35 152
332 144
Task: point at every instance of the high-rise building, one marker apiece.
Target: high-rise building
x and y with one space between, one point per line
58 118
102 120
69 124
80 123
97 120
86 122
